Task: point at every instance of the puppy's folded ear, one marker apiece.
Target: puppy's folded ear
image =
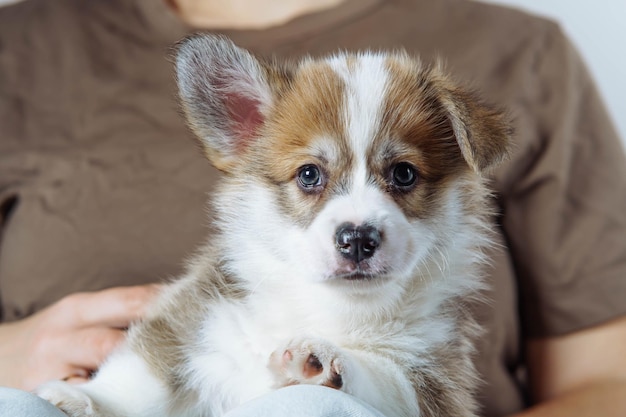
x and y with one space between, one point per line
482 131
225 95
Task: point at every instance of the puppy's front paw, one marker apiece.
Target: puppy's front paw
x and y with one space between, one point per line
68 398
308 361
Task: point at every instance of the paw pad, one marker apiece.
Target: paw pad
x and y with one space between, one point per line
308 363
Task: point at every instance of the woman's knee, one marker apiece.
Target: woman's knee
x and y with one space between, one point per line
305 401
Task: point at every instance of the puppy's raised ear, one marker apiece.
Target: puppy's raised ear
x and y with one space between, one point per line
225 95
482 131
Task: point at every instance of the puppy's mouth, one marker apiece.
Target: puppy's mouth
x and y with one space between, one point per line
361 276
358 276
362 273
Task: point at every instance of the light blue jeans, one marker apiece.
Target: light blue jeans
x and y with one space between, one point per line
16 403
294 401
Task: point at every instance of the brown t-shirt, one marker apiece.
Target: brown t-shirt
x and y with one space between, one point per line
102 185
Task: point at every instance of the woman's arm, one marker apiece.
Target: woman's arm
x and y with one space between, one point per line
580 374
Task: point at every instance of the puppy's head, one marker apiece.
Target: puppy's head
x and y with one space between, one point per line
354 170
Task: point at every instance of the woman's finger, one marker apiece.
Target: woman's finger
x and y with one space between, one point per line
114 307
90 347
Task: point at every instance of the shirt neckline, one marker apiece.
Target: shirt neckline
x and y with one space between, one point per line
162 23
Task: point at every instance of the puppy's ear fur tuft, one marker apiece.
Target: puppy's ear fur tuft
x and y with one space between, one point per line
225 95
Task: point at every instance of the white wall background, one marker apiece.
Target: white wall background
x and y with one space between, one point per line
598 28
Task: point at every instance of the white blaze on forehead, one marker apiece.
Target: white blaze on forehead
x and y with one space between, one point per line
365 80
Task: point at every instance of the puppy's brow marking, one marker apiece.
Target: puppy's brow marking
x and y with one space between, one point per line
365 79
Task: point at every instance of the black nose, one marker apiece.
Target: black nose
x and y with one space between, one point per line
357 242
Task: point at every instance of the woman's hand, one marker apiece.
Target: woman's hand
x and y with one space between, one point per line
70 338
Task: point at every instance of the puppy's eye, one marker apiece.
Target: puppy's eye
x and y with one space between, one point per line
309 176
404 175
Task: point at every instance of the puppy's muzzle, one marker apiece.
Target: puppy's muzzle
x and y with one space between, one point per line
357 243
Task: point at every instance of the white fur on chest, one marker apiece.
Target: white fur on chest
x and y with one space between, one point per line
237 339
232 351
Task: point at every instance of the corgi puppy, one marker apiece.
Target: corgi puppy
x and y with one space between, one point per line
350 223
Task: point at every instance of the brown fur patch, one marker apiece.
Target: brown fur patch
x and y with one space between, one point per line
413 114
307 109
415 129
163 340
446 384
438 128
